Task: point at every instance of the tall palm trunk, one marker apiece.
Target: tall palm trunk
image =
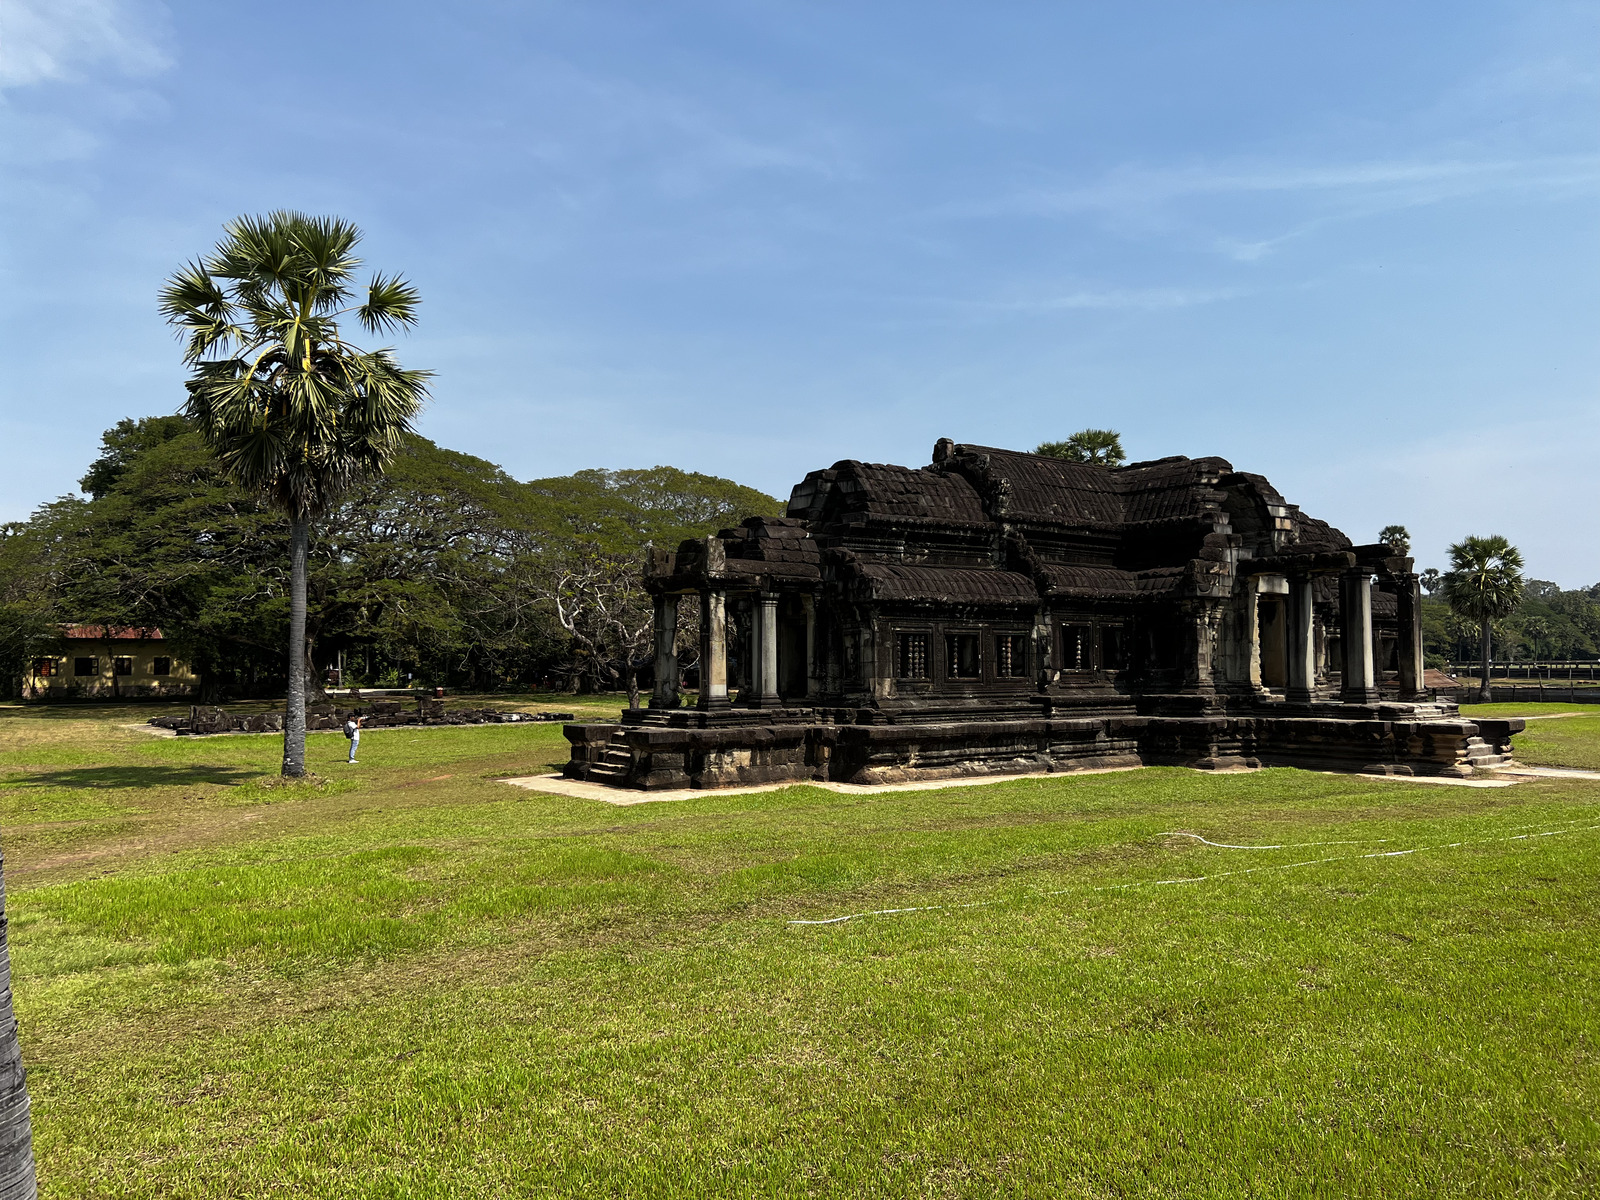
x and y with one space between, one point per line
1485 693
16 1130
294 717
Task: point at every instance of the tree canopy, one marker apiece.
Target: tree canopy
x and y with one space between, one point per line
439 568
1102 446
1397 538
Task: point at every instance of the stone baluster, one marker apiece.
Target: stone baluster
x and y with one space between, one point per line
1355 637
1302 672
665 692
713 650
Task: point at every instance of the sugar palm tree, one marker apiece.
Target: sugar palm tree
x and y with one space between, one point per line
1397 539
290 409
1484 584
16 1127
1102 446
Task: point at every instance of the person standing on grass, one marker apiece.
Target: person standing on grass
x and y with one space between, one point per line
352 730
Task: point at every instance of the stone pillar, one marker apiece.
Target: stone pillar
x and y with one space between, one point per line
1355 638
713 650
1251 649
1408 597
1302 673
809 604
764 673
665 693
1205 621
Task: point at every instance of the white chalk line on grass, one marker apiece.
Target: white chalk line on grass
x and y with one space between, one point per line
1138 883
1283 846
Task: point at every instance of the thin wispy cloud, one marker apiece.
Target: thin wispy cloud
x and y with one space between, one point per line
44 41
1180 200
1402 181
683 144
1139 299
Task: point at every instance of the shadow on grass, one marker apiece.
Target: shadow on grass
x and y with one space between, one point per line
131 777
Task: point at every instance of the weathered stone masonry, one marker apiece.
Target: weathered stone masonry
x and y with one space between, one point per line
998 612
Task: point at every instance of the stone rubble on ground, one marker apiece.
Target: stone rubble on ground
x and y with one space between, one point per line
379 714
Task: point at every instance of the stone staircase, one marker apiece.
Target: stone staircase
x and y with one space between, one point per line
1478 755
614 763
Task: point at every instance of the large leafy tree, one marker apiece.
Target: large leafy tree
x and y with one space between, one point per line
291 409
1484 584
444 565
1103 446
622 511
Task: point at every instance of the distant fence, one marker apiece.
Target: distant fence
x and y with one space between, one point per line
1567 671
1531 693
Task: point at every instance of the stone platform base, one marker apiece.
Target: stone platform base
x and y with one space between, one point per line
795 746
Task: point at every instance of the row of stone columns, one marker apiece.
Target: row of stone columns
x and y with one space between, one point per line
714 651
1357 667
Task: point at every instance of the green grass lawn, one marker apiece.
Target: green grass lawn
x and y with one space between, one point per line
412 980
1563 735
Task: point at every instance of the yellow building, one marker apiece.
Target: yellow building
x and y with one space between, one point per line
106 661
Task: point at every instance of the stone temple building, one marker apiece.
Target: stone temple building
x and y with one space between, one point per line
998 612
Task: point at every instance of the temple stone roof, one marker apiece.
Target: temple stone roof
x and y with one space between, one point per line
983 525
969 485
946 585
1073 582
879 492
1052 491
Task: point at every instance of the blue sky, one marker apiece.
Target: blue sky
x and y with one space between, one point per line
1353 247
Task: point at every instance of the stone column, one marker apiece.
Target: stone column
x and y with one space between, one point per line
713 650
1205 620
1302 672
1251 647
1355 638
1408 597
810 606
665 693
764 681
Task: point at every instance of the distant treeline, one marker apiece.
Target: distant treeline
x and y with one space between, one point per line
1549 624
446 569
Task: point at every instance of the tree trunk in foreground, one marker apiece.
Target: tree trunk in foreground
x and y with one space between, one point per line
294 716
17 1180
1485 693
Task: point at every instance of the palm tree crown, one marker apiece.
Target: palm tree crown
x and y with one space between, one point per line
1102 446
1484 582
288 406
1396 538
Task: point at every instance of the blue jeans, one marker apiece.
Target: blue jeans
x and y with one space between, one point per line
354 742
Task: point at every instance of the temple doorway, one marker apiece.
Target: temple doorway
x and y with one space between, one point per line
792 663
1273 631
